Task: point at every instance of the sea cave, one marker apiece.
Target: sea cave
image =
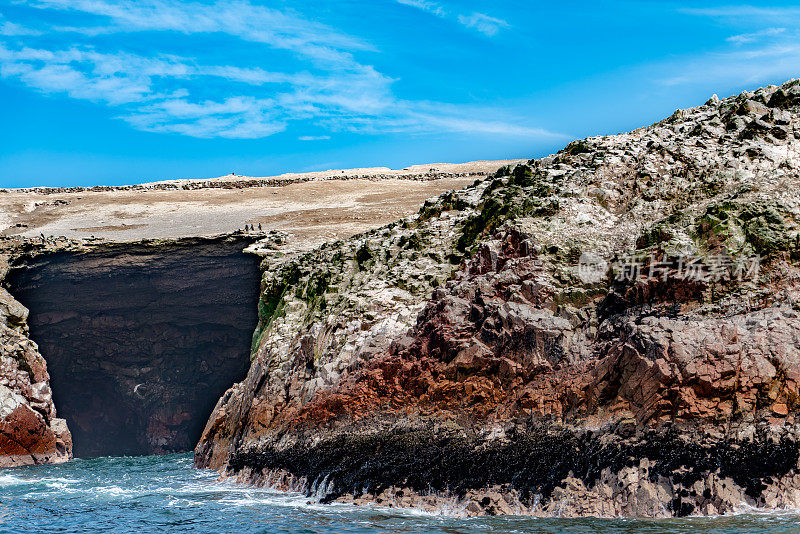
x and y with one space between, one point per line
141 340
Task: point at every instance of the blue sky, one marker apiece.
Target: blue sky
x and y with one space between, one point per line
113 92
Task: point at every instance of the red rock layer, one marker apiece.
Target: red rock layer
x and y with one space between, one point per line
30 432
494 344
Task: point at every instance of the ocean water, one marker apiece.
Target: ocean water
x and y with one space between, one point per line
165 494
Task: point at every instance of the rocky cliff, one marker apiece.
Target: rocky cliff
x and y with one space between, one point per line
30 432
146 324
611 330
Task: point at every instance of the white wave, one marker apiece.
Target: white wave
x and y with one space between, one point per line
180 503
12 480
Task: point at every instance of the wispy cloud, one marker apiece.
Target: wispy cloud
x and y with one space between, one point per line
765 53
480 22
483 23
239 18
139 85
232 118
425 5
488 126
778 62
314 137
424 117
745 11
751 37
114 79
10 29
175 94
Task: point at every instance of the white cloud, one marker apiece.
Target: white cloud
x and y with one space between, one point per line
426 117
480 22
743 38
778 62
425 5
765 54
749 13
458 124
239 18
233 118
185 95
485 24
84 74
314 137
10 29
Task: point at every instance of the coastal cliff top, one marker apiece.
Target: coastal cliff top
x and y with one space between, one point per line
314 207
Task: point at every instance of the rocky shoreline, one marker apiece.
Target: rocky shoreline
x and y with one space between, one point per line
462 359
613 330
544 470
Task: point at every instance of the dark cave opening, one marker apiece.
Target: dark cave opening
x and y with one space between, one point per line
141 340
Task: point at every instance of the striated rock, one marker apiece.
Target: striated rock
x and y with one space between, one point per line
490 356
461 359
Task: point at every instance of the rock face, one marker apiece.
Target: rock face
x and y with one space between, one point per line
30 432
144 328
612 330
141 339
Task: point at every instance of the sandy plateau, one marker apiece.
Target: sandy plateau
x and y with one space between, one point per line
314 207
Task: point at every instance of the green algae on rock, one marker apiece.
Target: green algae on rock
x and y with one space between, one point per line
468 331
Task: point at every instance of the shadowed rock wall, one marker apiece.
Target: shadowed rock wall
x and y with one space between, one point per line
141 340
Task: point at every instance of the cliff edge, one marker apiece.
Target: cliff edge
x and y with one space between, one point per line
142 302
612 330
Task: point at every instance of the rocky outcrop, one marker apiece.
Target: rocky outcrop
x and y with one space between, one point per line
612 330
30 432
492 344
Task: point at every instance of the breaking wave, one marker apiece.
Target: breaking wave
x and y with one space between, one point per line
166 494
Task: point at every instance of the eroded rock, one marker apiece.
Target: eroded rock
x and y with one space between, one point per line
467 362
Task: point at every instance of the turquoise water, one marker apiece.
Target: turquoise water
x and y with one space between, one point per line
165 494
